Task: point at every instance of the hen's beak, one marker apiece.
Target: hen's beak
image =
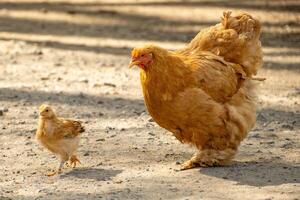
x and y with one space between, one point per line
134 63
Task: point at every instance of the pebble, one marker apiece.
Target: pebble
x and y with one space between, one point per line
44 78
150 120
255 135
287 126
109 84
84 80
100 114
118 182
4 109
100 102
150 133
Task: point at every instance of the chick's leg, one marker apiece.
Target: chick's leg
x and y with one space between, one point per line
209 158
74 160
61 164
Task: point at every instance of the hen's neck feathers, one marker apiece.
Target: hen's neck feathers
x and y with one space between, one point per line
165 78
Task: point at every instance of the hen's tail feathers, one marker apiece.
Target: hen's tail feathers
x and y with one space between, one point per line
243 24
248 44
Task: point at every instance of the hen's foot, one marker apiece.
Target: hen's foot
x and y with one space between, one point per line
209 158
74 160
190 164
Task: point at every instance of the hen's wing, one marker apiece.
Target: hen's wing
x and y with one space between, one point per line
216 77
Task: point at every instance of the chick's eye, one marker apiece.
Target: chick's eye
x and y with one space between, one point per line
46 110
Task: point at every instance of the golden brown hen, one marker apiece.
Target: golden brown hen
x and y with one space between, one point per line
203 93
60 136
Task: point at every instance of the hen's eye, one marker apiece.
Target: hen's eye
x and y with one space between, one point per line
142 55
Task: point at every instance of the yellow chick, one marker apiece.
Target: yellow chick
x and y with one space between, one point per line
58 135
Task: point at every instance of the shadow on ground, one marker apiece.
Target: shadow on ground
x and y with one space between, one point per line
137 26
92 173
111 104
264 173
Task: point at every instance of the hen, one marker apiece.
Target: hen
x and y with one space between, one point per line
60 136
204 93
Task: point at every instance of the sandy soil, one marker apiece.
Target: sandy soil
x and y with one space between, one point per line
74 55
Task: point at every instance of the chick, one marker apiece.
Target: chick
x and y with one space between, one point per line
58 135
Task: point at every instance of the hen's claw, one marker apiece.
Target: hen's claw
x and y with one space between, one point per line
188 165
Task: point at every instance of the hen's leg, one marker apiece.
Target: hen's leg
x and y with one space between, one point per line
209 158
74 160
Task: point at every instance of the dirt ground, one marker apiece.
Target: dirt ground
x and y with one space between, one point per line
74 56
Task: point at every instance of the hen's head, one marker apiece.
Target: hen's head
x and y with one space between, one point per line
145 57
46 111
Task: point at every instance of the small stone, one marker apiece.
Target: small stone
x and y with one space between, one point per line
44 78
254 135
150 133
86 154
4 109
109 84
84 80
150 120
118 182
100 114
57 64
287 126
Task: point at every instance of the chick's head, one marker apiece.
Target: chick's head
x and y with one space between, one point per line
46 111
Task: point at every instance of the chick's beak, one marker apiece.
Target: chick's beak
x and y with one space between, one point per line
134 62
